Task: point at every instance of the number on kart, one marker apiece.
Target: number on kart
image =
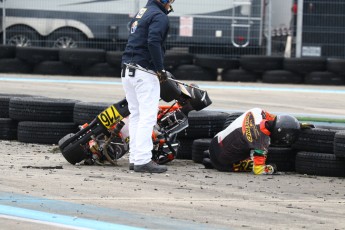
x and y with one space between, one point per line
109 117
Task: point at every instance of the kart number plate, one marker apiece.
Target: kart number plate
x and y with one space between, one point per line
109 117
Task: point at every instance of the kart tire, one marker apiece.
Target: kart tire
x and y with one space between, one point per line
203 124
305 65
82 57
41 109
35 55
185 149
283 158
239 75
261 64
320 164
101 70
73 153
198 148
339 144
323 78
44 132
5 102
7 51
281 77
85 112
315 140
14 66
8 129
54 68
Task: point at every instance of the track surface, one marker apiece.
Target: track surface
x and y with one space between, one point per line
188 196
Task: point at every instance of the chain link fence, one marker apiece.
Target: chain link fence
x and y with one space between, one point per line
323 28
227 28
232 27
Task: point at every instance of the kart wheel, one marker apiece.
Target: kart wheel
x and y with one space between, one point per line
74 153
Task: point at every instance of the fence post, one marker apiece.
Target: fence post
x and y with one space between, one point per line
299 28
269 31
3 22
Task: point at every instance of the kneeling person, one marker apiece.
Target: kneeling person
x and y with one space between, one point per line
243 145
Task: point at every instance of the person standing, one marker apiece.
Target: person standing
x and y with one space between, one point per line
145 49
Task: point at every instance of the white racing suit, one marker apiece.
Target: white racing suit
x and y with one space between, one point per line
243 145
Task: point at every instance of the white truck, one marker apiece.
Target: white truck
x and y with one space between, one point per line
202 25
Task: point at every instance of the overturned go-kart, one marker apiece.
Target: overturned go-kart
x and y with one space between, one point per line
106 138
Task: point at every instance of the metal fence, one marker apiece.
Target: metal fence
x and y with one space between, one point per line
322 28
222 27
231 27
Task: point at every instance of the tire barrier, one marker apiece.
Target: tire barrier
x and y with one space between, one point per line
318 151
41 109
185 66
320 164
198 148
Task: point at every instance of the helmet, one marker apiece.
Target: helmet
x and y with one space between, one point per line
285 130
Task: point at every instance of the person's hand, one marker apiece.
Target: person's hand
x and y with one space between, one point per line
307 126
162 75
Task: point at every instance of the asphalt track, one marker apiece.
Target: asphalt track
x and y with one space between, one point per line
188 197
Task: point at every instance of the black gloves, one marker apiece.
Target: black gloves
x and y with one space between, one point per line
162 75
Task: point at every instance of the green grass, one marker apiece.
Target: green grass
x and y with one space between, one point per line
319 119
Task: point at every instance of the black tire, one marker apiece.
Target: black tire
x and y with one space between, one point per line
85 112
320 164
8 129
7 51
185 149
193 72
41 109
216 62
339 144
35 55
305 65
73 152
231 117
82 57
101 70
14 66
323 78
198 148
114 58
239 75
22 36
283 158
66 38
281 76
173 59
336 66
54 68
44 132
203 124
261 64
5 102
315 140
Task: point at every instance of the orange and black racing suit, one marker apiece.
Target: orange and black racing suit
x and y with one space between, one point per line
243 145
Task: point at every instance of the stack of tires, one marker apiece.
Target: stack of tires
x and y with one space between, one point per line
183 65
32 119
203 126
321 152
314 71
53 61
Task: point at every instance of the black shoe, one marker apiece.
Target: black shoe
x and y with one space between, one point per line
151 167
131 166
